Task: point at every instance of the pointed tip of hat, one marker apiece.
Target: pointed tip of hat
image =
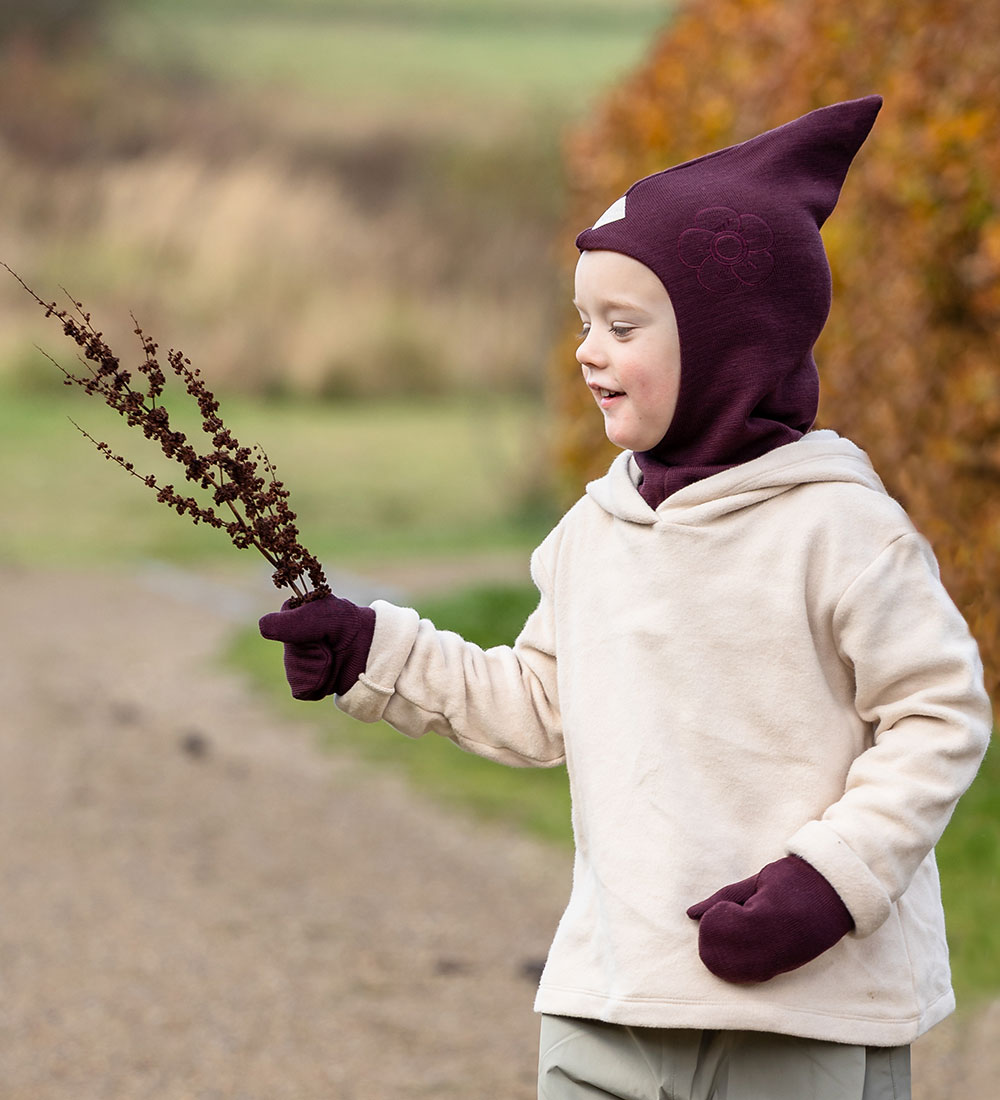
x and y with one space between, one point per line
868 102
859 112
852 118
817 149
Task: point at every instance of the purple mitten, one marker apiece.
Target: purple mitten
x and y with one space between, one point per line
779 919
326 644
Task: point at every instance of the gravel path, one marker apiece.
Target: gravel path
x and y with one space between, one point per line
197 903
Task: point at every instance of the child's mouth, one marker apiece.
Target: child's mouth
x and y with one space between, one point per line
606 397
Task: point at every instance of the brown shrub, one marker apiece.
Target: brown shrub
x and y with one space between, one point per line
909 360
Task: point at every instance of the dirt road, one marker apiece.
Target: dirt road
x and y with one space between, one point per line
196 903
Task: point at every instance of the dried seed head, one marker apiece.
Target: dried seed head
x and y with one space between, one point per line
241 480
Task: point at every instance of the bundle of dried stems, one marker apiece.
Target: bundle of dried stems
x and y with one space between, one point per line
240 481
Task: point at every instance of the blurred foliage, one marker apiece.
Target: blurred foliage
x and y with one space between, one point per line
909 360
51 26
276 191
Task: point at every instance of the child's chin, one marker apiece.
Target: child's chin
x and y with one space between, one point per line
633 437
613 438
625 441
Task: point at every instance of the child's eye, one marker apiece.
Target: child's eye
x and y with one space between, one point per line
620 331
582 334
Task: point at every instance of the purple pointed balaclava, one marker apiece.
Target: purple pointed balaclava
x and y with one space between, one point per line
734 237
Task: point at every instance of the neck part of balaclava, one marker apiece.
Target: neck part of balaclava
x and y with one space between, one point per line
734 237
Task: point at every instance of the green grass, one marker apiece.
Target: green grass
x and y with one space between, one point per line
609 12
969 859
533 799
368 480
521 56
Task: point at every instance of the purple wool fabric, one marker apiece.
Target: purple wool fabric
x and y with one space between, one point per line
326 642
734 237
777 920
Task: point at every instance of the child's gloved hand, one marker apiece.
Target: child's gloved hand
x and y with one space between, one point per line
777 920
326 644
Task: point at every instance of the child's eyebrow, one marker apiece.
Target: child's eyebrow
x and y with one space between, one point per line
615 303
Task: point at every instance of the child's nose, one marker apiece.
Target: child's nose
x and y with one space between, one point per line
589 352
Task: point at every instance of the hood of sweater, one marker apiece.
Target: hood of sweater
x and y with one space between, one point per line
818 456
734 237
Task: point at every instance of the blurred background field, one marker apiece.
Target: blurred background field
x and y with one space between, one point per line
353 217
345 213
418 62
372 481
309 196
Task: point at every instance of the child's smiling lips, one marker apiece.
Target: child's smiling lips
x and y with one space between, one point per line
603 396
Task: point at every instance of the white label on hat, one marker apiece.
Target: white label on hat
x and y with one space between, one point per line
614 213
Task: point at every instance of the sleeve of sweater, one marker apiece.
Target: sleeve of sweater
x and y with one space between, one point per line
501 703
919 684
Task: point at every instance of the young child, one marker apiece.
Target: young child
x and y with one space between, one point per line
767 704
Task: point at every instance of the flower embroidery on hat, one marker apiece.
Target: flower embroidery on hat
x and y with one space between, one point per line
729 250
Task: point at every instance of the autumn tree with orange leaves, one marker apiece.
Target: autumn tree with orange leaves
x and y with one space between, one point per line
910 358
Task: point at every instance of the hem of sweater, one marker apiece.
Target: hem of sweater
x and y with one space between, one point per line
847 1026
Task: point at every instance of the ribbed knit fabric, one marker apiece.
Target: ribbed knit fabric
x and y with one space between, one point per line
734 237
775 921
327 643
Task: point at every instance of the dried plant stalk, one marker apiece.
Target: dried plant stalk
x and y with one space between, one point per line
241 480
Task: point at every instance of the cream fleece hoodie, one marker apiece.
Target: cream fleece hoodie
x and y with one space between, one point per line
766 664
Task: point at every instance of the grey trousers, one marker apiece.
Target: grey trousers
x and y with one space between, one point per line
591 1060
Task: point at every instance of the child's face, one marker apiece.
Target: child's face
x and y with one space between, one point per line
630 351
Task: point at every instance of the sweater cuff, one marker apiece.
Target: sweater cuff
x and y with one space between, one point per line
393 638
352 648
865 897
